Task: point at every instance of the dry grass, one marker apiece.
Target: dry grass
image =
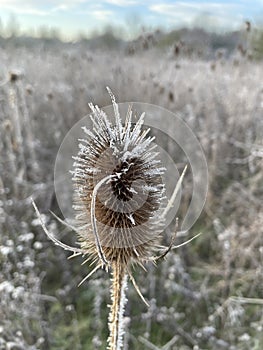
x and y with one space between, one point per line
207 295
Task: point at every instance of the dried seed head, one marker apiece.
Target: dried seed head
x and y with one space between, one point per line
118 179
15 75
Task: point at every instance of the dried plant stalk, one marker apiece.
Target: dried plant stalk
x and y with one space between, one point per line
118 286
118 197
119 204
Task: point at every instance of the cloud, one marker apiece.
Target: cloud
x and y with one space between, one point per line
101 15
41 8
26 9
224 14
62 7
17 3
191 7
125 3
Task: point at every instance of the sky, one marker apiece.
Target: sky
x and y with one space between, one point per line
72 17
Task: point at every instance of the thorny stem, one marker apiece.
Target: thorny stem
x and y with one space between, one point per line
118 300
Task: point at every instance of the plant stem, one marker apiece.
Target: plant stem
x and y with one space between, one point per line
118 299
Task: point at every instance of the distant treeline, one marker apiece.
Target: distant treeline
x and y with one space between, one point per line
248 42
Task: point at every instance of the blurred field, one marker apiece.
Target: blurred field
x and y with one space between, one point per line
206 295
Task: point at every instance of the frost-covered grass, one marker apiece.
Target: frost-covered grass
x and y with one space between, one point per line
207 295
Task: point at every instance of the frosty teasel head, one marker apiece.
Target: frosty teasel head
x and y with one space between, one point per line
119 199
118 188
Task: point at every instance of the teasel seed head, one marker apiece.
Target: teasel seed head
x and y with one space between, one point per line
118 189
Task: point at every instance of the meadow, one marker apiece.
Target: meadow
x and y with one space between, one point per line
205 295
